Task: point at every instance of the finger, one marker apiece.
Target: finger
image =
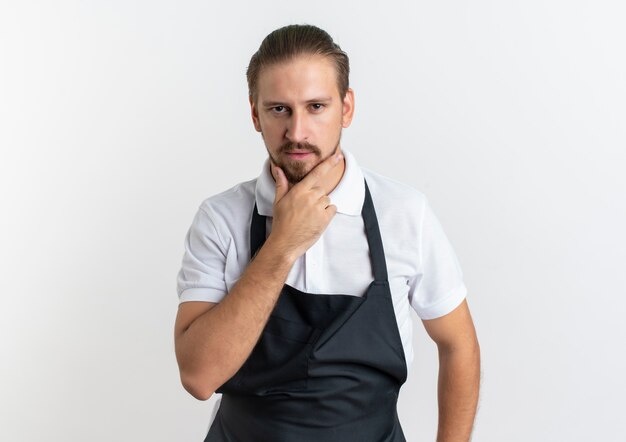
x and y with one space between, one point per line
318 172
331 210
325 201
319 191
281 184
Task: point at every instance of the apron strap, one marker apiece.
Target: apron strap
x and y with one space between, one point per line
257 231
377 252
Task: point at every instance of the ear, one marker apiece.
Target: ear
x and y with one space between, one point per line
348 108
255 114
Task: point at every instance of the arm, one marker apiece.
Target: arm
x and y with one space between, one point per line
459 373
213 341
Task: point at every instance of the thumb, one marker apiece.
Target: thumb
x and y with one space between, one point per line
281 184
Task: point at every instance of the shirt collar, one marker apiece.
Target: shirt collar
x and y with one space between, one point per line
348 195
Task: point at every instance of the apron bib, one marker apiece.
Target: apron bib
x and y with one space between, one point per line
326 367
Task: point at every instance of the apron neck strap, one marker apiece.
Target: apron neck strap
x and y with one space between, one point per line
372 231
257 231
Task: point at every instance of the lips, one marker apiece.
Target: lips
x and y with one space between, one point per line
298 154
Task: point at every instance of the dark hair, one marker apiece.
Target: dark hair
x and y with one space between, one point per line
288 42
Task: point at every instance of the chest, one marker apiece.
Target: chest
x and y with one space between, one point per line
339 262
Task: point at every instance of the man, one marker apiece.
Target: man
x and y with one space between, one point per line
296 287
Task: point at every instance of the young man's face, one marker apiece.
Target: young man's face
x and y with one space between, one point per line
300 114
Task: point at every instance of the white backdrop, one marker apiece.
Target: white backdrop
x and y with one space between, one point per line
117 118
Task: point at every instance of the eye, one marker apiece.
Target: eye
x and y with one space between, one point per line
279 109
317 106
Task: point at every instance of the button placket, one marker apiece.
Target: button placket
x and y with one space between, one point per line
314 276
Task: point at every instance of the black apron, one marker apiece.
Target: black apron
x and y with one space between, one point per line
326 367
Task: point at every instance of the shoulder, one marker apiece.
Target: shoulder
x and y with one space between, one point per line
400 210
231 201
241 194
389 193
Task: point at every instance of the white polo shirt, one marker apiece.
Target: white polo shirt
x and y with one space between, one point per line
424 272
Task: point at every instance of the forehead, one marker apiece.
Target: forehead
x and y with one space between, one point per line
302 78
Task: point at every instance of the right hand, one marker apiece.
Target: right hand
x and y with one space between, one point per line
302 213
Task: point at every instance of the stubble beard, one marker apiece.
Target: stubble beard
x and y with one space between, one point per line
295 170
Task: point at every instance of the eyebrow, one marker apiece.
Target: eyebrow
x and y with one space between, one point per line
313 100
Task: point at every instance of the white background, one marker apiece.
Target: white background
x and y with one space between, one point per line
117 118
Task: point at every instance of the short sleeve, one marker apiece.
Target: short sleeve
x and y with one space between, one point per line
438 286
201 276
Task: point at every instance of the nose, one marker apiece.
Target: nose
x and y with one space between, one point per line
297 128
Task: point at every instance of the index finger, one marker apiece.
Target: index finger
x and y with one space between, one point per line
318 172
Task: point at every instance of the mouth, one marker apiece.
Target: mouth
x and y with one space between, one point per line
298 155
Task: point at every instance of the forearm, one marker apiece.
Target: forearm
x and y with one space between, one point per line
219 341
458 388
